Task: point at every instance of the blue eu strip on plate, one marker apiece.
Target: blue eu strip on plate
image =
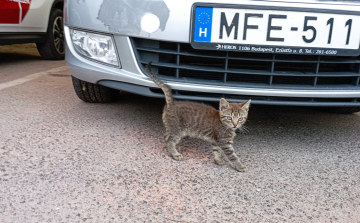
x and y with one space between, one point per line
203 23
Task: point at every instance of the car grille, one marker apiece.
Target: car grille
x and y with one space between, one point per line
180 62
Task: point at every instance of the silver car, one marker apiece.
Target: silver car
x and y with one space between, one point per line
301 53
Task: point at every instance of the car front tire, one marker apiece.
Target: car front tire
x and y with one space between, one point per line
54 46
94 93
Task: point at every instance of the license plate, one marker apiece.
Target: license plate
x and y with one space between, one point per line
275 30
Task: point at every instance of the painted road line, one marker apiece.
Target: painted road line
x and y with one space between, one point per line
30 77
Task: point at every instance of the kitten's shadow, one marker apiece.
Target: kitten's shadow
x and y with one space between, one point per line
262 120
268 127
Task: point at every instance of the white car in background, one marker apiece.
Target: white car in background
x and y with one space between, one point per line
34 21
274 52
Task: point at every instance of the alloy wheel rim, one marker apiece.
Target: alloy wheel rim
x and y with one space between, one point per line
58 34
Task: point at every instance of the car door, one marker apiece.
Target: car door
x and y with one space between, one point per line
9 16
35 15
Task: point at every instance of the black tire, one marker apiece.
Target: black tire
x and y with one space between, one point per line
94 93
54 46
345 110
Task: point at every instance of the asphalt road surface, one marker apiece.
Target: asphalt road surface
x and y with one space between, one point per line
63 160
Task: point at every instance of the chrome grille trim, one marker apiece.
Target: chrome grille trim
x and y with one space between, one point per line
308 77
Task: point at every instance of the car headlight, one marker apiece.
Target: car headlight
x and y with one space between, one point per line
95 46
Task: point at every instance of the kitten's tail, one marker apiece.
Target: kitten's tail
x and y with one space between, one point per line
166 89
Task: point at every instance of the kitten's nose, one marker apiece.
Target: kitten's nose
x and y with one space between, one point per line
235 124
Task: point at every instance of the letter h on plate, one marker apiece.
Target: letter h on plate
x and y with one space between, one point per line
203 23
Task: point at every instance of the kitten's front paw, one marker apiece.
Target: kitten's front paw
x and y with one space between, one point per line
239 167
220 162
177 157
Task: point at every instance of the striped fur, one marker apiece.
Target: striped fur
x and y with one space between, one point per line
184 118
164 87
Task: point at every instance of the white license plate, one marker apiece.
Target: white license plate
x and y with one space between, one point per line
276 31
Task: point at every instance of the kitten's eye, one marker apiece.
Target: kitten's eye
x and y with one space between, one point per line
229 118
241 119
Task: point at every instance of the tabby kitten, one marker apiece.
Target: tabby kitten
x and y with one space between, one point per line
184 118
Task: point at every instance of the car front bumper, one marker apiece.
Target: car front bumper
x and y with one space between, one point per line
130 77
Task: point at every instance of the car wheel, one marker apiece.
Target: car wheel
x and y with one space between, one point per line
346 110
54 46
95 93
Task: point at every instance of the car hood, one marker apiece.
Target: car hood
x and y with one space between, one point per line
124 17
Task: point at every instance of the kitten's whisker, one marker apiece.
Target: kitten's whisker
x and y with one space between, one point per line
244 130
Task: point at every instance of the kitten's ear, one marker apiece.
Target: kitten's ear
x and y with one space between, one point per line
246 105
223 104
